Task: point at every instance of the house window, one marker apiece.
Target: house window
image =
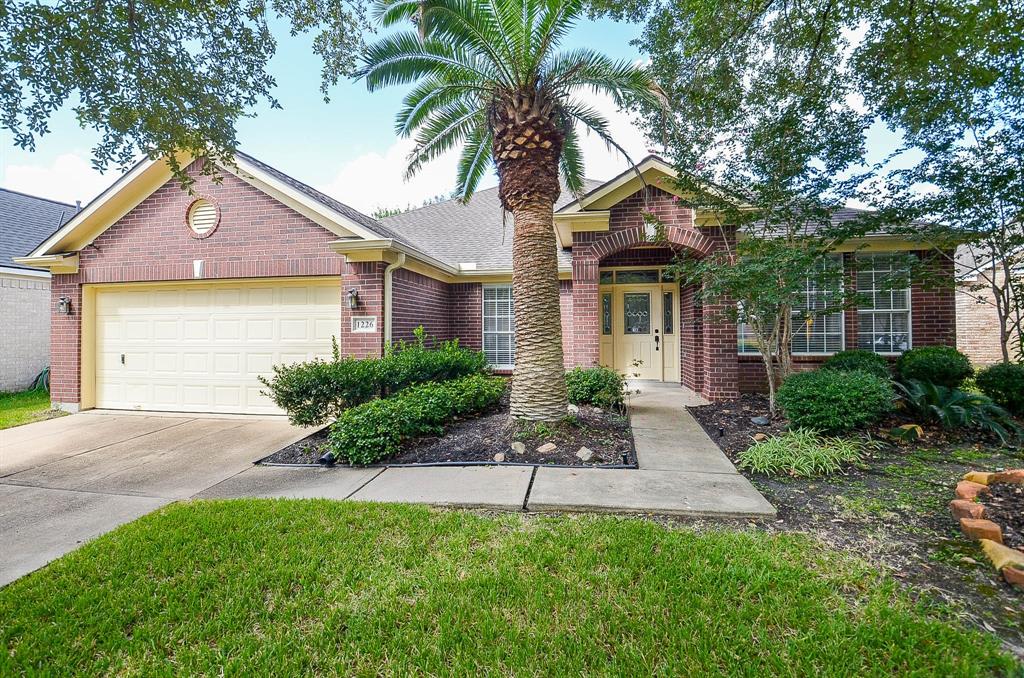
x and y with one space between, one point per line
667 309
815 331
499 337
883 316
606 313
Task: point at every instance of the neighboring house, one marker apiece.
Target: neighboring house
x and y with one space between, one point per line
180 302
25 221
977 322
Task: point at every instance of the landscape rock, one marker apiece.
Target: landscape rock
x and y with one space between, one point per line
1002 556
573 409
1014 575
758 437
546 447
969 490
499 457
518 447
760 421
1015 476
961 508
979 528
981 477
584 453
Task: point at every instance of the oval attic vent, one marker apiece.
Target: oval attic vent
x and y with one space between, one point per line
202 217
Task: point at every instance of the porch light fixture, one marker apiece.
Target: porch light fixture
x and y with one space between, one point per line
64 306
353 299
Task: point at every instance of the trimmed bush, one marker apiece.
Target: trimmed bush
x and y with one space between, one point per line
834 401
801 453
318 391
372 431
856 359
597 386
1004 383
942 365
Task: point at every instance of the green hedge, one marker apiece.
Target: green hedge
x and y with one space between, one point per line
597 386
856 359
1004 383
834 401
372 431
942 365
318 391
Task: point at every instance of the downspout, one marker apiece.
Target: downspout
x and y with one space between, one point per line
387 311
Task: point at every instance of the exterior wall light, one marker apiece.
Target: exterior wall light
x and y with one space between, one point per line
353 299
64 306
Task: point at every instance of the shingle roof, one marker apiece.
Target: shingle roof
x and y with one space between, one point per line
475 232
26 221
355 215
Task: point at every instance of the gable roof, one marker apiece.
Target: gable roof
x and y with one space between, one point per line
25 221
477 232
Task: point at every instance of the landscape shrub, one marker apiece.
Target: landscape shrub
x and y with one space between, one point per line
942 365
953 408
856 359
318 391
801 453
834 401
597 386
1004 383
374 430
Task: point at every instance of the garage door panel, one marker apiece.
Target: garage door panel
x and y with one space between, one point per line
203 347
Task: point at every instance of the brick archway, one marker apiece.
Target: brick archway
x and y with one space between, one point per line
676 237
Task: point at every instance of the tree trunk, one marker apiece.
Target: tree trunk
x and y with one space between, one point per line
538 384
527 149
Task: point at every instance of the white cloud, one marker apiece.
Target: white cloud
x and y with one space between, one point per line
374 180
68 178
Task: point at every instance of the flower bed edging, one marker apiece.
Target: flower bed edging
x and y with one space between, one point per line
967 509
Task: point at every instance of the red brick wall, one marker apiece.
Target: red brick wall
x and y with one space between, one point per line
466 300
419 300
367 279
256 237
565 303
933 308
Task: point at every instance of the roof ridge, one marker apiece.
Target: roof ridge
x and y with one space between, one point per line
37 197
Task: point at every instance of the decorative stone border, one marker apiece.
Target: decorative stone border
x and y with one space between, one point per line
971 514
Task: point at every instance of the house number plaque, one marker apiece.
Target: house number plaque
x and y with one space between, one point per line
364 323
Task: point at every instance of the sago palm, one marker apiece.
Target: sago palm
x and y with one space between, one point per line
489 79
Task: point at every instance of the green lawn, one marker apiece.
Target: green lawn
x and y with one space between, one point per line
284 587
25 407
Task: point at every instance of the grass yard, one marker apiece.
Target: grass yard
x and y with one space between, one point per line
24 407
282 587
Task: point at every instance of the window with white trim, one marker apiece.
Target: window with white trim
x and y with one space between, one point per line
883 314
815 331
499 326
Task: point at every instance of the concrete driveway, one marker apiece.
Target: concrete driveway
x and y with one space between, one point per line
67 480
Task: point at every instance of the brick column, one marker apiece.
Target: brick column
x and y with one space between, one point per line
367 279
691 342
719 351
586 339
66 343
933 306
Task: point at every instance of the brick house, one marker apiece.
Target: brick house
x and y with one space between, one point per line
166 300
977 322
25 221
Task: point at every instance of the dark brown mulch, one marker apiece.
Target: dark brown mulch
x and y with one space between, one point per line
607 434
1005 506
729 423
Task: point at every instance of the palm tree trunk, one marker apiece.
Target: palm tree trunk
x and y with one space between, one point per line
538 383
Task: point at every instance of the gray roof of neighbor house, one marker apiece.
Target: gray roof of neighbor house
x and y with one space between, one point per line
477 232
26 221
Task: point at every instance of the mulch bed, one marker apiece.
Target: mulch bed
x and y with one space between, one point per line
729 423
605 433
1004 505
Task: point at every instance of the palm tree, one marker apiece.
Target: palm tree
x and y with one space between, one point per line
489 79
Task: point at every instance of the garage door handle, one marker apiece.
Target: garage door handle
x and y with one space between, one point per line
122 358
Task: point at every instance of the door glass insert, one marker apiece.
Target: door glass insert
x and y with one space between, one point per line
607 277
606 313
636 309
667 308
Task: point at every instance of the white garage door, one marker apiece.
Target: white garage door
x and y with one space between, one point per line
202 347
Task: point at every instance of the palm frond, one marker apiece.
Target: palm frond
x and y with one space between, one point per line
571 162
430 95
403 58
475 161
557 20
586 68
446 129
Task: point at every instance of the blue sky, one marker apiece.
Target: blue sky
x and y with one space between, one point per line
346 147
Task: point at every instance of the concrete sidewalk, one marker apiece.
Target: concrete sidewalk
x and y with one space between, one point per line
682 472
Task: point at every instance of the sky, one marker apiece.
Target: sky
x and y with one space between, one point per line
346 148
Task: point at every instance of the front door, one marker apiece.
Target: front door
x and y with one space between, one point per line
637 331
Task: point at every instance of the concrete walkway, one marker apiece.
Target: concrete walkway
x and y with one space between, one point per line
682 472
